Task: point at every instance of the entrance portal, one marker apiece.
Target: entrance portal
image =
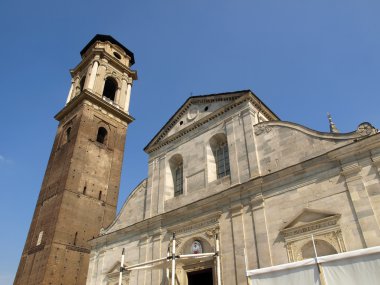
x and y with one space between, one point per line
201 277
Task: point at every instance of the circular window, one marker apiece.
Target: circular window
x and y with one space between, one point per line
206 108
181 123
118 56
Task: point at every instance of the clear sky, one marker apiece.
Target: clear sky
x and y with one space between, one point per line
303 58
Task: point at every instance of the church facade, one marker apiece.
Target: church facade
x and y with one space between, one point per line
228 181
225 164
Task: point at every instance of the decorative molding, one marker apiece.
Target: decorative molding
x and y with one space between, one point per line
260 129
350 169
257 202
195 227
366 129
310 228
324 229
333 238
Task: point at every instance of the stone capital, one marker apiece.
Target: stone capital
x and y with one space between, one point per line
350 170
257 202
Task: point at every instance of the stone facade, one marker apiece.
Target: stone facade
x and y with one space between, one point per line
223 165
281 183
80 189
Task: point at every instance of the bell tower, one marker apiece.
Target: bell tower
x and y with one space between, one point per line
80 189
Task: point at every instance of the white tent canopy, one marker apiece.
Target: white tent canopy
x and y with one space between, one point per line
349 268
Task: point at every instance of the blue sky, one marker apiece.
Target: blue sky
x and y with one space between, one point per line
302 58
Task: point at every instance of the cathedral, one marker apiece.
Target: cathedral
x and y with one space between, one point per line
231 188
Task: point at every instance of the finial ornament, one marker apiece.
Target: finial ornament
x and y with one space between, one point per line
333 128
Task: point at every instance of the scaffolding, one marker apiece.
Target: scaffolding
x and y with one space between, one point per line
171 258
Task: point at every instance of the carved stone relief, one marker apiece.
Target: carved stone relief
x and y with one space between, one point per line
259 129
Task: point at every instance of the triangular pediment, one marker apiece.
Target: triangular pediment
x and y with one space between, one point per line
307 216
309 222
200 109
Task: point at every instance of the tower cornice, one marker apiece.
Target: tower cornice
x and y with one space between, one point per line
98 101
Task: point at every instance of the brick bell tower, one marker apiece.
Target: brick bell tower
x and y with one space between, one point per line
80 189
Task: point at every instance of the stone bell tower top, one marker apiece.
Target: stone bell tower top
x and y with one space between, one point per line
104 72
101 42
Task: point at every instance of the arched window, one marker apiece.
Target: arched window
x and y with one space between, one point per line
110 87
178 180
176 166
102 135
39 240
82 81
220 162
68 134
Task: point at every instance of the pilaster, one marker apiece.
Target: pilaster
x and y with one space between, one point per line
238 243
143 253
361 204
232 149
248 117
261 232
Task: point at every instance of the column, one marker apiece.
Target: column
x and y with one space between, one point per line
76 87
361 204
128 97
123 90
117 96
71 91
94 70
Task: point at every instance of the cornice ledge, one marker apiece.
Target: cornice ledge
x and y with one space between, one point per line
334 136
87 95
235 210
195 224
350 169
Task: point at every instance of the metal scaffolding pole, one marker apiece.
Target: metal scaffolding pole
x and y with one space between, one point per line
217 254
121 267
167 268
173 260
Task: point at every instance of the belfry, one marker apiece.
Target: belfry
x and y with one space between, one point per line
79 193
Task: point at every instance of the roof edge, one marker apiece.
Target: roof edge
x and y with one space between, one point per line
105 38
